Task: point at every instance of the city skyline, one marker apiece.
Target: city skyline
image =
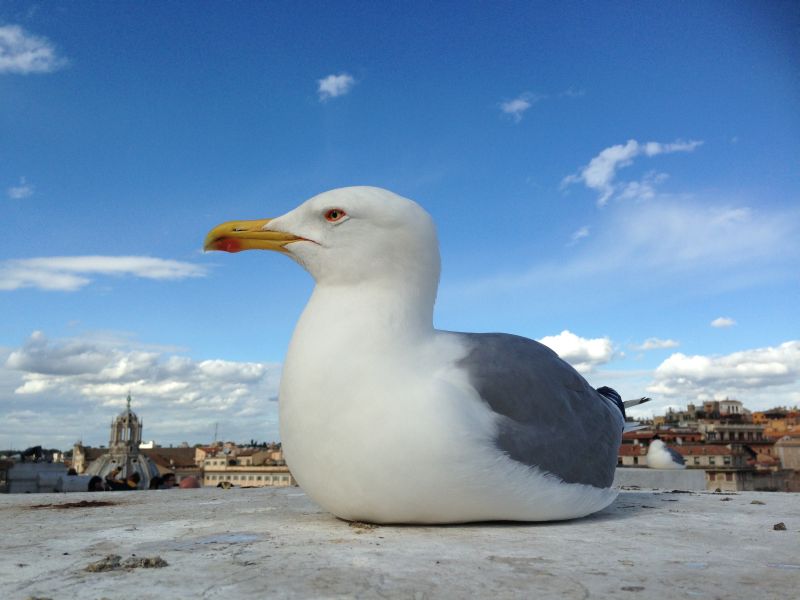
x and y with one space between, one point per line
218 437
618 181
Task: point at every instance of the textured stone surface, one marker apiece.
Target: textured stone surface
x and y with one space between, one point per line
259 543
668 479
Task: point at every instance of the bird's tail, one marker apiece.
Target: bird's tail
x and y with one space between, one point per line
612 395
632 426
637 402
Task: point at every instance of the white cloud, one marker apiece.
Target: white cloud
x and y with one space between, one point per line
69 273
22 52
738 375
644 189
655 148
656 344
70 358
89 378
670 244
582 353
722 322
733 215
599 175
572 93
21 191
579 234
517 107
334 86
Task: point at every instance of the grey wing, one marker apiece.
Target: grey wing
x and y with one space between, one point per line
548 414
677 457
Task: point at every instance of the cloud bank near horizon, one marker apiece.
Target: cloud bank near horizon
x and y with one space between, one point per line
57 391
68 388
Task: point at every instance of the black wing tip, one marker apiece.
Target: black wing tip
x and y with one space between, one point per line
637 402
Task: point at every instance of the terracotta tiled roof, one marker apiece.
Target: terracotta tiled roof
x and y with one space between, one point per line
704 450
92 453
670 434
180 457
644 434
632 450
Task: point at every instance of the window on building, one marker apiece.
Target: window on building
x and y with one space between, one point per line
726 460
697 460
258 477
636 460
728 476
712 460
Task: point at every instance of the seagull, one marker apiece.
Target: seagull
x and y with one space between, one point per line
385 419
661 456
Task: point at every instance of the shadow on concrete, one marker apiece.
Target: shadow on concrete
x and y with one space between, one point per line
627 505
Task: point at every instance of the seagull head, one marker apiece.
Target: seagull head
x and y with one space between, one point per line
348 235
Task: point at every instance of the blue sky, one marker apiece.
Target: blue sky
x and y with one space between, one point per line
619 180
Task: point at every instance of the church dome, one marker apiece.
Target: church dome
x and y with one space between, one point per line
123 450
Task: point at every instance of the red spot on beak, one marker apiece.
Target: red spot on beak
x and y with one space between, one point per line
228 245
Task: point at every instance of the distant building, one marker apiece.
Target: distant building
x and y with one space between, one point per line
668 436
730 432
83 456
123 451
247 468
752 480
632 455
180 461
224 463
32 477
728 443
787 450
714 456
730 407
779 422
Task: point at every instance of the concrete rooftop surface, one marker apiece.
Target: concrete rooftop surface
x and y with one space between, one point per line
276 543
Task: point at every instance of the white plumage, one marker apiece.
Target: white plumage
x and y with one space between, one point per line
659 456
381 415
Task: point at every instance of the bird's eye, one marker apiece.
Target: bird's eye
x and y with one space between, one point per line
334 215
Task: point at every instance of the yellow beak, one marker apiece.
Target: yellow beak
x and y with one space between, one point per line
235 236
